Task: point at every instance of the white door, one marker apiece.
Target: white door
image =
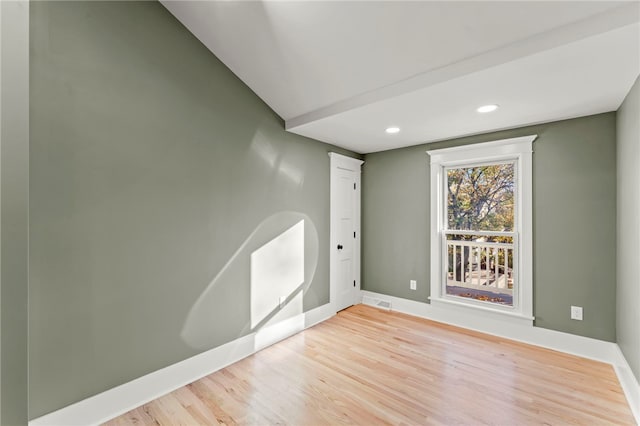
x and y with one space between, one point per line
345 231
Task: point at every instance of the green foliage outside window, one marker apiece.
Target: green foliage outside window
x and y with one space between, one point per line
481 198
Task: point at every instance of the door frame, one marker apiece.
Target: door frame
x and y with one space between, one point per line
342 162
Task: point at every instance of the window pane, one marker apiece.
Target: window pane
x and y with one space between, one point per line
481 198
481 268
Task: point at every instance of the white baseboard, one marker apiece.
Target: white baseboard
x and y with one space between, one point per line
629 383
585 347
564 342
116 401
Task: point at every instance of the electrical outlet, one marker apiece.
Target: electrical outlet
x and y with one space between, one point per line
576 313
412 284
282 301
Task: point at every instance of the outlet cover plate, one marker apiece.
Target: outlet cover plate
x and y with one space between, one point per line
576 313
412 284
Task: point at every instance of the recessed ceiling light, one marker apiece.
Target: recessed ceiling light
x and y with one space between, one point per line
392 130
488 108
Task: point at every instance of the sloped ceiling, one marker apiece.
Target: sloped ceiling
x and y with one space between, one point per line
343 71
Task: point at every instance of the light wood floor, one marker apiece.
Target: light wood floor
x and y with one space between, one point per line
368 367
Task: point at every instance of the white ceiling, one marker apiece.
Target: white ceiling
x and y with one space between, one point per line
343 71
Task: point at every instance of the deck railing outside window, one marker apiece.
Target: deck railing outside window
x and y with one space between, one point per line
480 265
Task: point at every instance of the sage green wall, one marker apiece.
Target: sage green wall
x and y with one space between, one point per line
628 289
150 165
14 185
574 219
395 223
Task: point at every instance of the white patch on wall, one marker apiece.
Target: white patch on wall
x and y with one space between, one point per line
291 172
276 160
279 259
264 149
277 271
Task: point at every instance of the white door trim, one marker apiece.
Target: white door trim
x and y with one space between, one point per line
337 162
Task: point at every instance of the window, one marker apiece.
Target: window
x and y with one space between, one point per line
480 246
481 240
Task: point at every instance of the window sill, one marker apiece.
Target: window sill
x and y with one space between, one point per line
477 309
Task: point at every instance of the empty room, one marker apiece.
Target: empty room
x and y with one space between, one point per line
319 212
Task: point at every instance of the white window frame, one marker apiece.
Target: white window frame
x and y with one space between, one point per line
520 151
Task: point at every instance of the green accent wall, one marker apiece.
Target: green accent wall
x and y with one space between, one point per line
628 314
151 165
395 223
574 220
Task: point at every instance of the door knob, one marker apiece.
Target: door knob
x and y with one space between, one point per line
340 247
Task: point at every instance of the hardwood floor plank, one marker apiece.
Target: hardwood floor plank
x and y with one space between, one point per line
366 366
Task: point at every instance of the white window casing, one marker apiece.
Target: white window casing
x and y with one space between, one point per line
518 150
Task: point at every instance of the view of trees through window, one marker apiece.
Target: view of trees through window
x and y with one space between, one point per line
481 200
